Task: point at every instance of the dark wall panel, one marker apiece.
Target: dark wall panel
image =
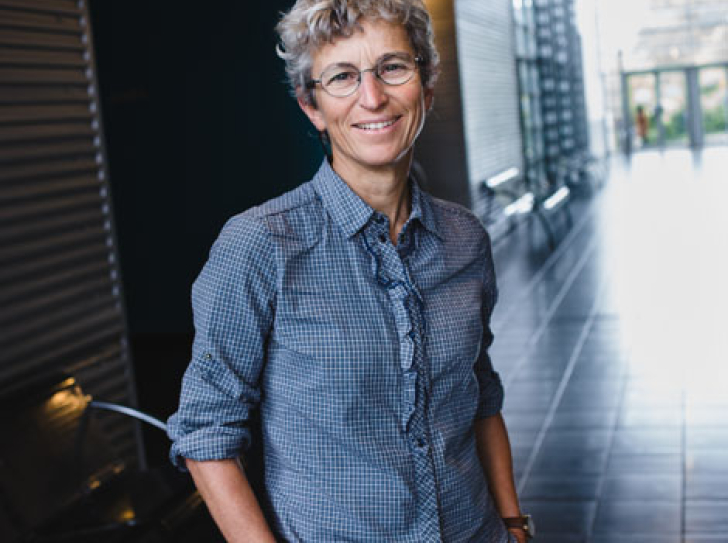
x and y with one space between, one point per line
200 126
441 147
61 309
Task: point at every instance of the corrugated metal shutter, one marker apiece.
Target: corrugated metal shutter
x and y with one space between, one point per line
60 304
487 57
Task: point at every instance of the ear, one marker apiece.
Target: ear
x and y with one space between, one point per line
429 99
312 112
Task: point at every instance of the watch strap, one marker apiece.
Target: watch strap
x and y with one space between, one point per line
519 523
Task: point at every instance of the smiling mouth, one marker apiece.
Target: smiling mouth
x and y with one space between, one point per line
378 125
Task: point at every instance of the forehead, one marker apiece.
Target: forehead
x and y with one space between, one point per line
365 46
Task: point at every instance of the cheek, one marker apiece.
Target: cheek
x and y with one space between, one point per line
417 109
330 114
415 99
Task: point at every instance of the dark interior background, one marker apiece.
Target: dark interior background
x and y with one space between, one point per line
199 125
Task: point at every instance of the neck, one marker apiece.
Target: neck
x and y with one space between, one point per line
384 189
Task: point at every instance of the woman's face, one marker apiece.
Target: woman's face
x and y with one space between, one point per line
359 140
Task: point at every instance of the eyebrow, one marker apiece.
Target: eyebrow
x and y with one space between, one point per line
382 57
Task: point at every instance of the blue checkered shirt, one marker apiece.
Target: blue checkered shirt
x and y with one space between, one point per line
368 362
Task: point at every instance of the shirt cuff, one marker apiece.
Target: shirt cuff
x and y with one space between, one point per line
209 443
491 395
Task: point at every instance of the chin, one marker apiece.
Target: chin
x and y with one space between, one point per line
379 161
380 164
384 159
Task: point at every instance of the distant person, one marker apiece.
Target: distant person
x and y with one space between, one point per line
354 313
643 125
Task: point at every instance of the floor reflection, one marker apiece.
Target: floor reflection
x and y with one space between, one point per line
614 353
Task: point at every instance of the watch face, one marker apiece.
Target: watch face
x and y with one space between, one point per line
530 526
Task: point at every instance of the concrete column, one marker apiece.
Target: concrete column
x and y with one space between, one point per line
626 115
659 113
694 110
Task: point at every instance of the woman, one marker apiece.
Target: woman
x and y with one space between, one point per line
353 312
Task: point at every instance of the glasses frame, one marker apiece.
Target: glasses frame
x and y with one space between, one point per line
311 84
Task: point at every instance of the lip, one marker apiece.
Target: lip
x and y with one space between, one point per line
392 119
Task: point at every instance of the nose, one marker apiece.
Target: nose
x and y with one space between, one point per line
372 94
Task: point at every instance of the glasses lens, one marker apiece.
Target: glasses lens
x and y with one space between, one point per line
343 79
396 70
340 80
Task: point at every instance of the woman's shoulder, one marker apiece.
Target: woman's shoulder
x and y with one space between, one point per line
457 221
294 214
287 203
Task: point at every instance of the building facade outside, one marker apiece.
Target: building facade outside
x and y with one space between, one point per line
670 59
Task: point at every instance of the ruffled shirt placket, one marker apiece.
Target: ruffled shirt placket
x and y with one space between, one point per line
391 273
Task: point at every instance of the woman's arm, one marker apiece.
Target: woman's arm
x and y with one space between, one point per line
234 304
494 451
231 501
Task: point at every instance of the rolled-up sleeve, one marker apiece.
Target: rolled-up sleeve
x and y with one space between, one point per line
491 388
233 301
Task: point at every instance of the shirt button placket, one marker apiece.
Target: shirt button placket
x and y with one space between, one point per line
408 319
424 468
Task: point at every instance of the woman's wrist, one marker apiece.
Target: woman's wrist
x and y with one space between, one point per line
521 525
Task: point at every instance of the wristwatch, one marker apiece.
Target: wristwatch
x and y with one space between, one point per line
524 522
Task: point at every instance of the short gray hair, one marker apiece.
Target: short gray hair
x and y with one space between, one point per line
312 23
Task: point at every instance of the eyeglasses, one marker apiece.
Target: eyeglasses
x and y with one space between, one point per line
340 80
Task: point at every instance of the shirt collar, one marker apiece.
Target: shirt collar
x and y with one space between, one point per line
351 213
422 209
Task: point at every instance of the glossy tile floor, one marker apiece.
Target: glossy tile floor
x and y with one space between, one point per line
614 352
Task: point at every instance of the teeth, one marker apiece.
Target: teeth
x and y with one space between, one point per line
376 126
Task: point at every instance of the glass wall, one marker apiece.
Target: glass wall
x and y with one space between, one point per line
529 89
551 86
714 103
672 116
643 108
687 106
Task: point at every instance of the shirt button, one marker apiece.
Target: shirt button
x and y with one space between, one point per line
383 238
421 443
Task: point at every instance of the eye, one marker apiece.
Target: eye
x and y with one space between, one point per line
341 77
393 68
